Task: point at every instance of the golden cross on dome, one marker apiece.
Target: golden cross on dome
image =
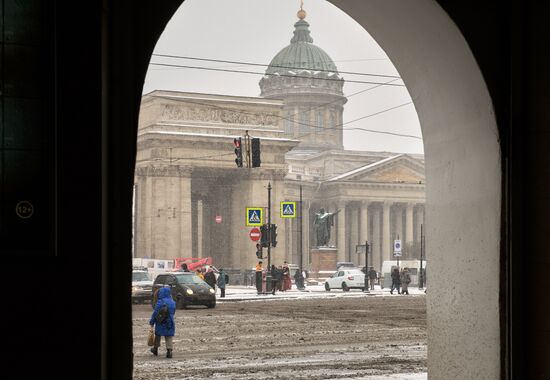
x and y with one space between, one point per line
301 13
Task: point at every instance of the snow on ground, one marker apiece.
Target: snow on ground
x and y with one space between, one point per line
248 293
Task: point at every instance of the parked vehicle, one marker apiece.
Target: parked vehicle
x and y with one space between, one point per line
187 289
142 286
346 279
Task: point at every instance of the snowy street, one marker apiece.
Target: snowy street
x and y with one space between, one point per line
300 335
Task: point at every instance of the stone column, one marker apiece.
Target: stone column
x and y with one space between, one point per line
186 230
142 236
342 236
398 214
147 216
419 217
289 251
409 238
386 231
200 230
354 233
376 240
333 237
364 231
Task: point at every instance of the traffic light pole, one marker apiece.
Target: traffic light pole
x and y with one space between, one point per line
300 244
269 227
421 282
366 290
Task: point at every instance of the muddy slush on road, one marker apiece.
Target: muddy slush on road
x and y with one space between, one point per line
340 338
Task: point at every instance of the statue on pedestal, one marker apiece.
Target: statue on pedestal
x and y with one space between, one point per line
322 223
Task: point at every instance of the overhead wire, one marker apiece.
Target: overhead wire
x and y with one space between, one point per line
270 65
277 75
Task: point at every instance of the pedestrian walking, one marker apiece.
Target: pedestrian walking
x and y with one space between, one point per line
165 326
222 282
275 278
372 277
395 281
286 282
405 281
210 278
259 271
299 279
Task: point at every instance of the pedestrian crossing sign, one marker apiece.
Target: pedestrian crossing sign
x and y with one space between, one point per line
288 209
254 216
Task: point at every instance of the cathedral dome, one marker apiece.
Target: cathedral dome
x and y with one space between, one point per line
301 67
301 54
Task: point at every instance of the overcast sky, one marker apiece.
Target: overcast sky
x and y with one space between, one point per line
255 31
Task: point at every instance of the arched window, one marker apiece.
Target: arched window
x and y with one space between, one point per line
304 121
319 122
289 122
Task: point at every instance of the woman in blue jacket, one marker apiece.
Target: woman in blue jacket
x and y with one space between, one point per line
166 327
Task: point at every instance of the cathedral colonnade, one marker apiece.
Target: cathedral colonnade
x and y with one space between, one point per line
379 223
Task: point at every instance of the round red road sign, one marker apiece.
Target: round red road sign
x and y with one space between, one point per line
255 234
218 219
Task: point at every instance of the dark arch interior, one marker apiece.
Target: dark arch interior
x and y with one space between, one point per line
93 59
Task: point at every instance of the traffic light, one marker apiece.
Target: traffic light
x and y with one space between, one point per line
238 152
259 253
264 240
273 235
255 146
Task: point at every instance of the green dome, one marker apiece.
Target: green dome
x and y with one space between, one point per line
301 54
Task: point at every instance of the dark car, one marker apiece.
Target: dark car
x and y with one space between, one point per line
187 289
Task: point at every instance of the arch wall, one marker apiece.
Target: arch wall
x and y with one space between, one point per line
463 180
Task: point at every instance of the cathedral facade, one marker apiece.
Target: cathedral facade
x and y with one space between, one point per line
190 197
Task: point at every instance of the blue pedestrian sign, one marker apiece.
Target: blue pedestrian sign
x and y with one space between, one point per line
254 216
288 209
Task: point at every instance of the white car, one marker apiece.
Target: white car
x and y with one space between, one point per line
142 286
346 279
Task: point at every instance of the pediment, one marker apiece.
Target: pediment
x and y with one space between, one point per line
396 173
397 169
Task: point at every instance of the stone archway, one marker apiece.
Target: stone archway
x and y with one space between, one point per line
463 180
463 196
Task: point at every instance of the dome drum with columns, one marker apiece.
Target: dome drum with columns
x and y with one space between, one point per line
186 177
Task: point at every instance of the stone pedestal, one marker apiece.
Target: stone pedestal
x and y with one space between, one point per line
323 259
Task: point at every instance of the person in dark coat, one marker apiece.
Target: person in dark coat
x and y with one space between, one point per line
210 278
395 281
275 279
299 279
372 277
184 268
167 328
405 281
221 282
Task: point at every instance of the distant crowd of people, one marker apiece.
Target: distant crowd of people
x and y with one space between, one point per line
400 281
279 278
